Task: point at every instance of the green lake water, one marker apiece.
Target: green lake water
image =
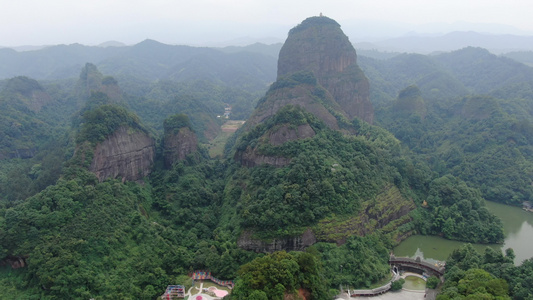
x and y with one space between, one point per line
414 283
518 229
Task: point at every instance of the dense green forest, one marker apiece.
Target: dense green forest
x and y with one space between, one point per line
444 139
488 275
475 128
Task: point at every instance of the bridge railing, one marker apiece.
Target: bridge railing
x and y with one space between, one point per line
417 263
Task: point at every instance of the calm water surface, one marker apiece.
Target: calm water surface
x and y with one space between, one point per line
518 229
414 283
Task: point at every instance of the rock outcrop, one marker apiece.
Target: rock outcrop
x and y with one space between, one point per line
251 158
15 262
127 154
91 80
297 243
179 139
319 45
178 145
318 71
285 133
302 95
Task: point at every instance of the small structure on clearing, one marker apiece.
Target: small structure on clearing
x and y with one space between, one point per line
227 111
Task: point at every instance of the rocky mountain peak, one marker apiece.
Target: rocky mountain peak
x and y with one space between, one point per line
29 92
179 141
91 80
319 45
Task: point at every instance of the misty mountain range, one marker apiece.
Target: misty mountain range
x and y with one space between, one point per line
497 44
149 60
415 42
65 61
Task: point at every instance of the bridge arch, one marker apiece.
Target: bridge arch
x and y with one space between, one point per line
416 265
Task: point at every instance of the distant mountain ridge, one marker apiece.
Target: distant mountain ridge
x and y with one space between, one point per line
148 60
443 76
496 43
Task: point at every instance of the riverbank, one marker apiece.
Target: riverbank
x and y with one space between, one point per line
518 230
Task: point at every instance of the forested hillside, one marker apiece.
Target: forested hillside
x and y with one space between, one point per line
107 190
146 61
478 129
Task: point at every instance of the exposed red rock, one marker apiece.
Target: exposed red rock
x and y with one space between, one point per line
177 146
127 154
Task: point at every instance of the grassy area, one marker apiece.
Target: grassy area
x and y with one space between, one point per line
216 146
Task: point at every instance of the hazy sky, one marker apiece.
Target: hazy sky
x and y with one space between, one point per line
38 22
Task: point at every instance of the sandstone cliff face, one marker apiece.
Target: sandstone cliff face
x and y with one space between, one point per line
178 146
126 154
286 133
250 158
319 45
297 243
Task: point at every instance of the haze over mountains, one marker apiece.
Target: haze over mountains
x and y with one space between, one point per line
365 33
109 189
496 43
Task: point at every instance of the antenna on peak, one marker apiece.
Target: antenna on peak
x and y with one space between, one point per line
321 15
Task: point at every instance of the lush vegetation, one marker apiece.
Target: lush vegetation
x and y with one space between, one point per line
175 122
430 103
359 263
482 140
445 152
98 123
455 211
275 275
307 190
332 173
491 275
397 284
432 282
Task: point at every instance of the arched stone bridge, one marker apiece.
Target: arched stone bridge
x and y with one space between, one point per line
406 263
